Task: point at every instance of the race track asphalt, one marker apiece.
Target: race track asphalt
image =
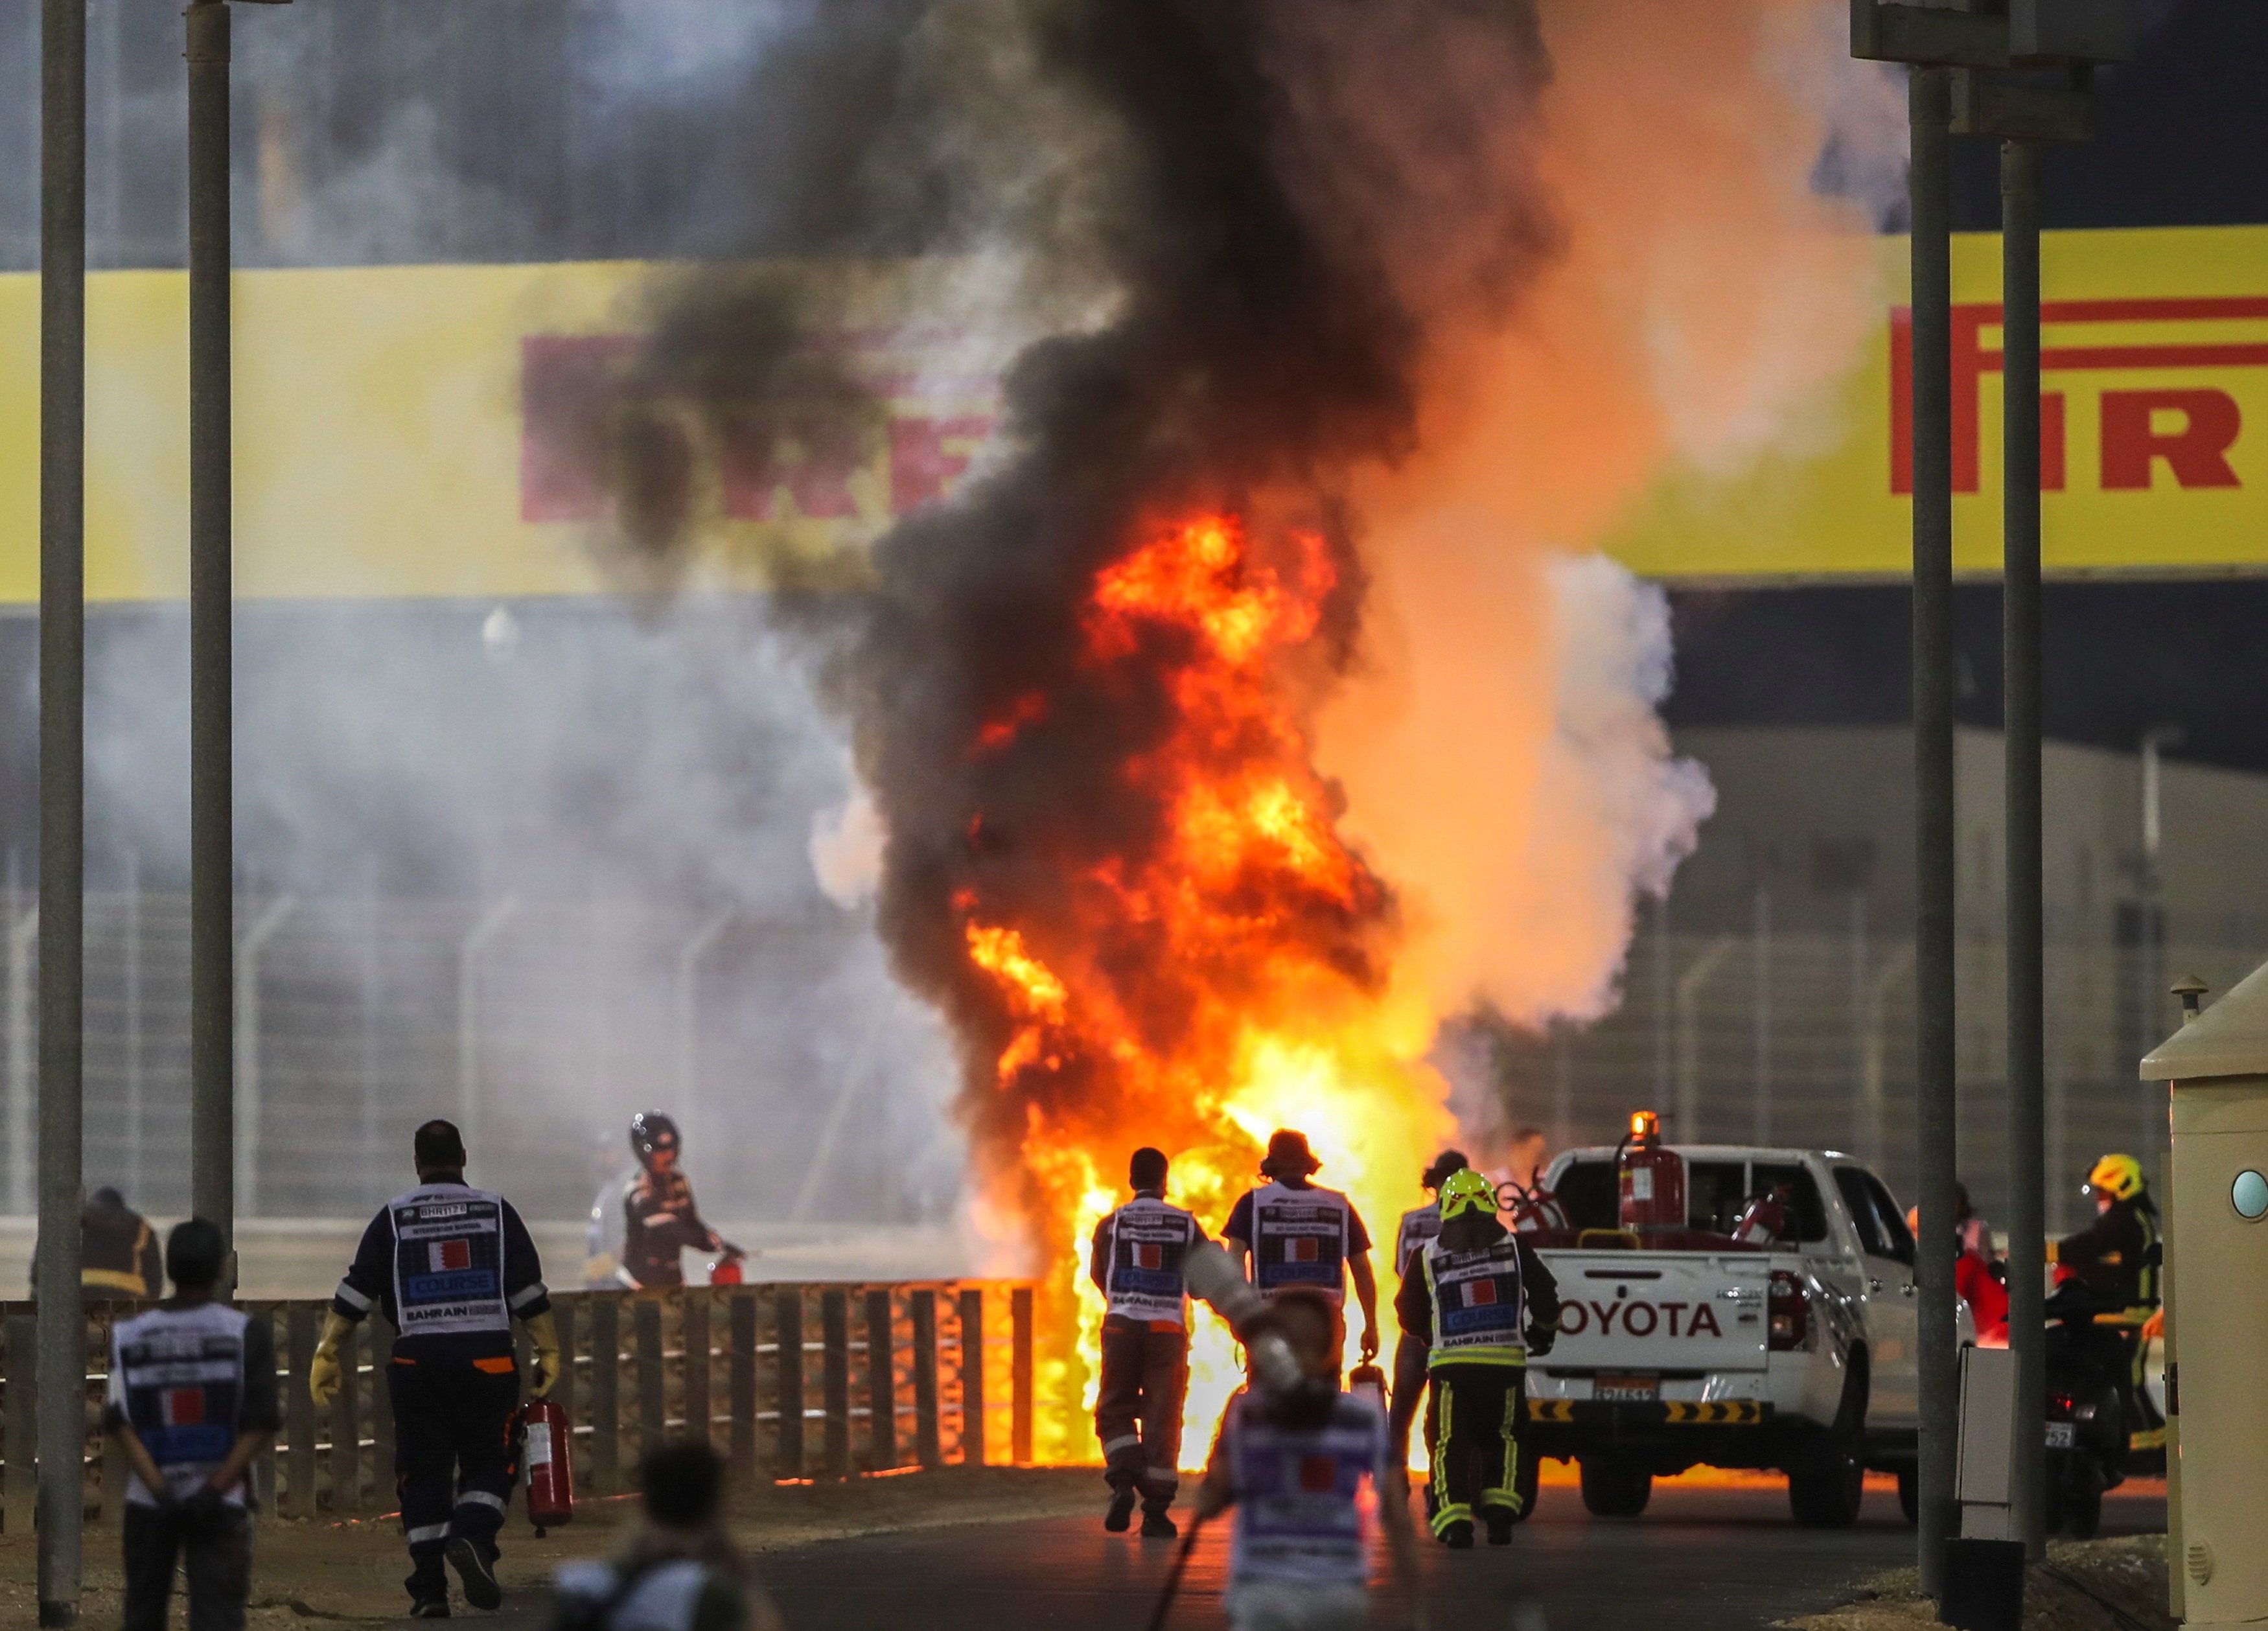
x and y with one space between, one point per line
1701 1559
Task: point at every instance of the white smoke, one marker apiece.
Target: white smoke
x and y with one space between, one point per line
846 850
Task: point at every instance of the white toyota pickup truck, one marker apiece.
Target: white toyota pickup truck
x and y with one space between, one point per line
1691 1348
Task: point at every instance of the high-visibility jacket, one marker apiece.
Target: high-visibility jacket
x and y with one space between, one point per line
1478 1306
1137 1256
2119 1256
668 1594
1419 1225
1299 1519
1299 1236
451 1266
188 1379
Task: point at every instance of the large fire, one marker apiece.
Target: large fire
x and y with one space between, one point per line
1221 975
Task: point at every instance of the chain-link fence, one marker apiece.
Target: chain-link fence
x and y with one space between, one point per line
538 1026
1807 1039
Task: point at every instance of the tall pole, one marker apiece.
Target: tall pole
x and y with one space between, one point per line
1929 113
212 841
2020 297
61 1332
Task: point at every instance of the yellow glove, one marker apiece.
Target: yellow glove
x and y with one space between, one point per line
323 1374
543 1343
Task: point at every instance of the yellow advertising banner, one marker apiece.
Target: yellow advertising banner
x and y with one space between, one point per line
406 431
2154 427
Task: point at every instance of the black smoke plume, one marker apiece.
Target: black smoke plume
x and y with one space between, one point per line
1293 207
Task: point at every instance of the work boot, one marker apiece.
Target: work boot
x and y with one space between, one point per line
1156 1525
470 1560
1458 1535
1499 1520
1121 1510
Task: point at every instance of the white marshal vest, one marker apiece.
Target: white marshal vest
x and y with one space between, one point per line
1297 1517
177 1375
448 1261
1479 1304
1300 1238
1148 1240
664 1599
1419 1225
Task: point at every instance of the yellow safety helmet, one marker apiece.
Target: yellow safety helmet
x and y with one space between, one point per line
2119 1176
1465 1191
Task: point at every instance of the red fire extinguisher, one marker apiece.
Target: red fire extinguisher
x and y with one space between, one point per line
1653 1177
1762 1219
550 1474
1370 1381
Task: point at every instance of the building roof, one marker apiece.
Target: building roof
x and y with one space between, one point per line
2230 1039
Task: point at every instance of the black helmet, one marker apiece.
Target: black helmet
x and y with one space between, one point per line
650 1130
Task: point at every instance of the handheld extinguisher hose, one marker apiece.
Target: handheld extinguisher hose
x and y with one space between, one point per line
1173 1575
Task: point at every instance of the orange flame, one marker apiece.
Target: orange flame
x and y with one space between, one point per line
1218 977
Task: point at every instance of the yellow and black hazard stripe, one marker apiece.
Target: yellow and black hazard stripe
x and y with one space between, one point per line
1673 1412
1720 1412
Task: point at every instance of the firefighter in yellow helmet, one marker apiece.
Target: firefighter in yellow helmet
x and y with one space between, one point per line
1484 1301
2119 1257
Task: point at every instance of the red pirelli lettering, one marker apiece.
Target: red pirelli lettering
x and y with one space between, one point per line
2195 450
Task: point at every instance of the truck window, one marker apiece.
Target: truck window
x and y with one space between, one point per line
1807 1219
1591 1193
1715 1191
1852 1183
1898 1236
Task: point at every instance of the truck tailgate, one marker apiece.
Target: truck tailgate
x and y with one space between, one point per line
1661 1311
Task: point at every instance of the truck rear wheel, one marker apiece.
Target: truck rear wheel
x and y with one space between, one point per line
1825 1487
1612 1488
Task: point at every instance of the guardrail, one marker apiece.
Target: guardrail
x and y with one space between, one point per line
791 1382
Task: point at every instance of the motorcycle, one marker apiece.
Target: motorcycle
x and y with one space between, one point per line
2086 1414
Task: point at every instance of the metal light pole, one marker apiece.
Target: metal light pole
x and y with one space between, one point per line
212 658
61 1329
1928 184
2066 37
212 827
1952 48
2019 644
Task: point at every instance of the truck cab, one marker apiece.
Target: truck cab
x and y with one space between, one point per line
1791 1349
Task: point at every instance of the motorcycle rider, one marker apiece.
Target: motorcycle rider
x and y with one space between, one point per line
2117 1259
1135 1261
1484 1301
1292 1232
658 1216
1419 1225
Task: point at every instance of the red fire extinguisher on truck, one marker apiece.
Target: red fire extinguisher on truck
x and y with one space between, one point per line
1653 1177
550 1473
1764 1218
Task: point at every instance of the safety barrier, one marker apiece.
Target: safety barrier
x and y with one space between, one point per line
792 1384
